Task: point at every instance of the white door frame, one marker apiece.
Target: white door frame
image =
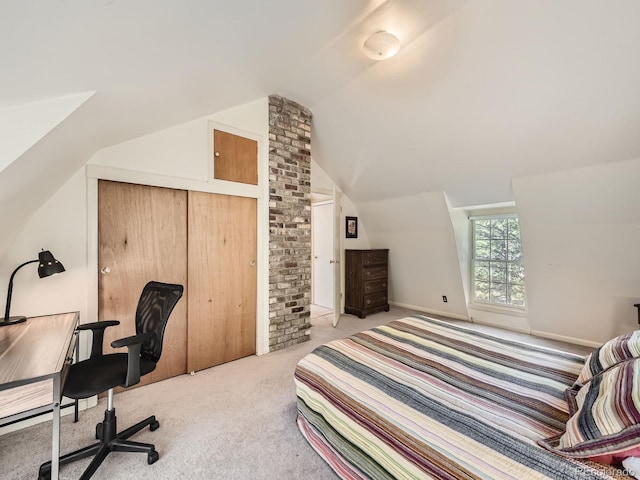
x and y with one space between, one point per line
337 256
336 196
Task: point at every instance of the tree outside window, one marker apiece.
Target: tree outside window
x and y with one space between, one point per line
497 263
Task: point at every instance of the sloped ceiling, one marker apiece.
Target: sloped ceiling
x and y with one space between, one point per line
481 92
496 90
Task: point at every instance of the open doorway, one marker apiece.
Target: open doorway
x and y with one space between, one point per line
322 261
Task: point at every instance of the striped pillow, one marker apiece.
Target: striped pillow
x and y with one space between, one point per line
619 349
606 426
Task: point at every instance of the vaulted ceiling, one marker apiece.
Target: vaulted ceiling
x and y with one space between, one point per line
482 91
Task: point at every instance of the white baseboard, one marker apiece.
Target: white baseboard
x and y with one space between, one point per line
537 333
502 326
47 417
427 310
563 338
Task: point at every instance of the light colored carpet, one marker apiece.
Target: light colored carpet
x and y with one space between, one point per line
233 421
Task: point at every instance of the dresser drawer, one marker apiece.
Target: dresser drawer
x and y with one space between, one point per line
374 273
375 286
375 299
374 257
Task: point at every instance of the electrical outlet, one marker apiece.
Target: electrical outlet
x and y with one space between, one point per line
444 298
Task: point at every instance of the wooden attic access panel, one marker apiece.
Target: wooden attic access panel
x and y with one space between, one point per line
235 158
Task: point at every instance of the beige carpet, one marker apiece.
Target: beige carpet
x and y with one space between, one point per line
234 421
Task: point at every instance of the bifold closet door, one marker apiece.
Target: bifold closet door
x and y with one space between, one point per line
142 236
222 279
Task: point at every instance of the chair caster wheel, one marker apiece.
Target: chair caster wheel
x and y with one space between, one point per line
152 457
154 426
99 431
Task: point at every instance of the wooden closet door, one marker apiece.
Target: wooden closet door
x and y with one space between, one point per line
222 279
142 236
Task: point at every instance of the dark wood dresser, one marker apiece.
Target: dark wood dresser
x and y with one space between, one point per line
366 281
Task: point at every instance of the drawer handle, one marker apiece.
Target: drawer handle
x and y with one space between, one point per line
368 302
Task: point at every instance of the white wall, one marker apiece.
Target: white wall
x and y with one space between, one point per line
67 223
181 152
58 226
423 260
580 232
181 157
322 183
581 236
24 125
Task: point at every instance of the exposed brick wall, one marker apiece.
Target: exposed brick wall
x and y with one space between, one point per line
289 222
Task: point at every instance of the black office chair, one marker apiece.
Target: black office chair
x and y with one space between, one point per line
100 373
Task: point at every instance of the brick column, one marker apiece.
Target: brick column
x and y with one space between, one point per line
289 222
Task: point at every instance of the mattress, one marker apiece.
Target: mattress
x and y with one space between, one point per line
423 398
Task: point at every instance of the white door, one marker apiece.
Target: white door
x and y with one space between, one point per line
323 262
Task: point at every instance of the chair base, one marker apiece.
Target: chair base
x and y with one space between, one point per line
110 441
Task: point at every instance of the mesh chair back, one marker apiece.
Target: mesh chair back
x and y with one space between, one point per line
154 307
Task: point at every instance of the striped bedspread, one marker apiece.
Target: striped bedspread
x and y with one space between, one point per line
421 398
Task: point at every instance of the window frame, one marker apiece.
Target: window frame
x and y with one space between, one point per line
489 305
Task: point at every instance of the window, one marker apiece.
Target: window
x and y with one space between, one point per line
497 269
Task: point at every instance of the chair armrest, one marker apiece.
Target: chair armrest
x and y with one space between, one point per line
134 345
97 328
133 340
98 325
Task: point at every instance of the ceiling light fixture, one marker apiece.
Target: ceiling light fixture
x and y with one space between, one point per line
381 45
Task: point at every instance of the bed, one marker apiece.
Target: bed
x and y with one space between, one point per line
423 398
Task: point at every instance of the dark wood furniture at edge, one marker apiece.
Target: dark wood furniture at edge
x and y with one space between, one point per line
366 278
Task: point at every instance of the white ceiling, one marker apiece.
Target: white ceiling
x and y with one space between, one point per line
481 92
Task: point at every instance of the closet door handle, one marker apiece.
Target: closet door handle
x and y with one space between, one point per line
252 263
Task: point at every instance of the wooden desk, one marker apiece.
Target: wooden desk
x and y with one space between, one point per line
34 357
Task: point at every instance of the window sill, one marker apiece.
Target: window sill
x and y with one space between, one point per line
513 312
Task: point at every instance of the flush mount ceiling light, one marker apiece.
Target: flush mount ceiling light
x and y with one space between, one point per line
381 45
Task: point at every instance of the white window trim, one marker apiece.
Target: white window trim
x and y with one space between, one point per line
496 308
513 310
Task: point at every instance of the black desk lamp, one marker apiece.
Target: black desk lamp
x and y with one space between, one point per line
48 266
